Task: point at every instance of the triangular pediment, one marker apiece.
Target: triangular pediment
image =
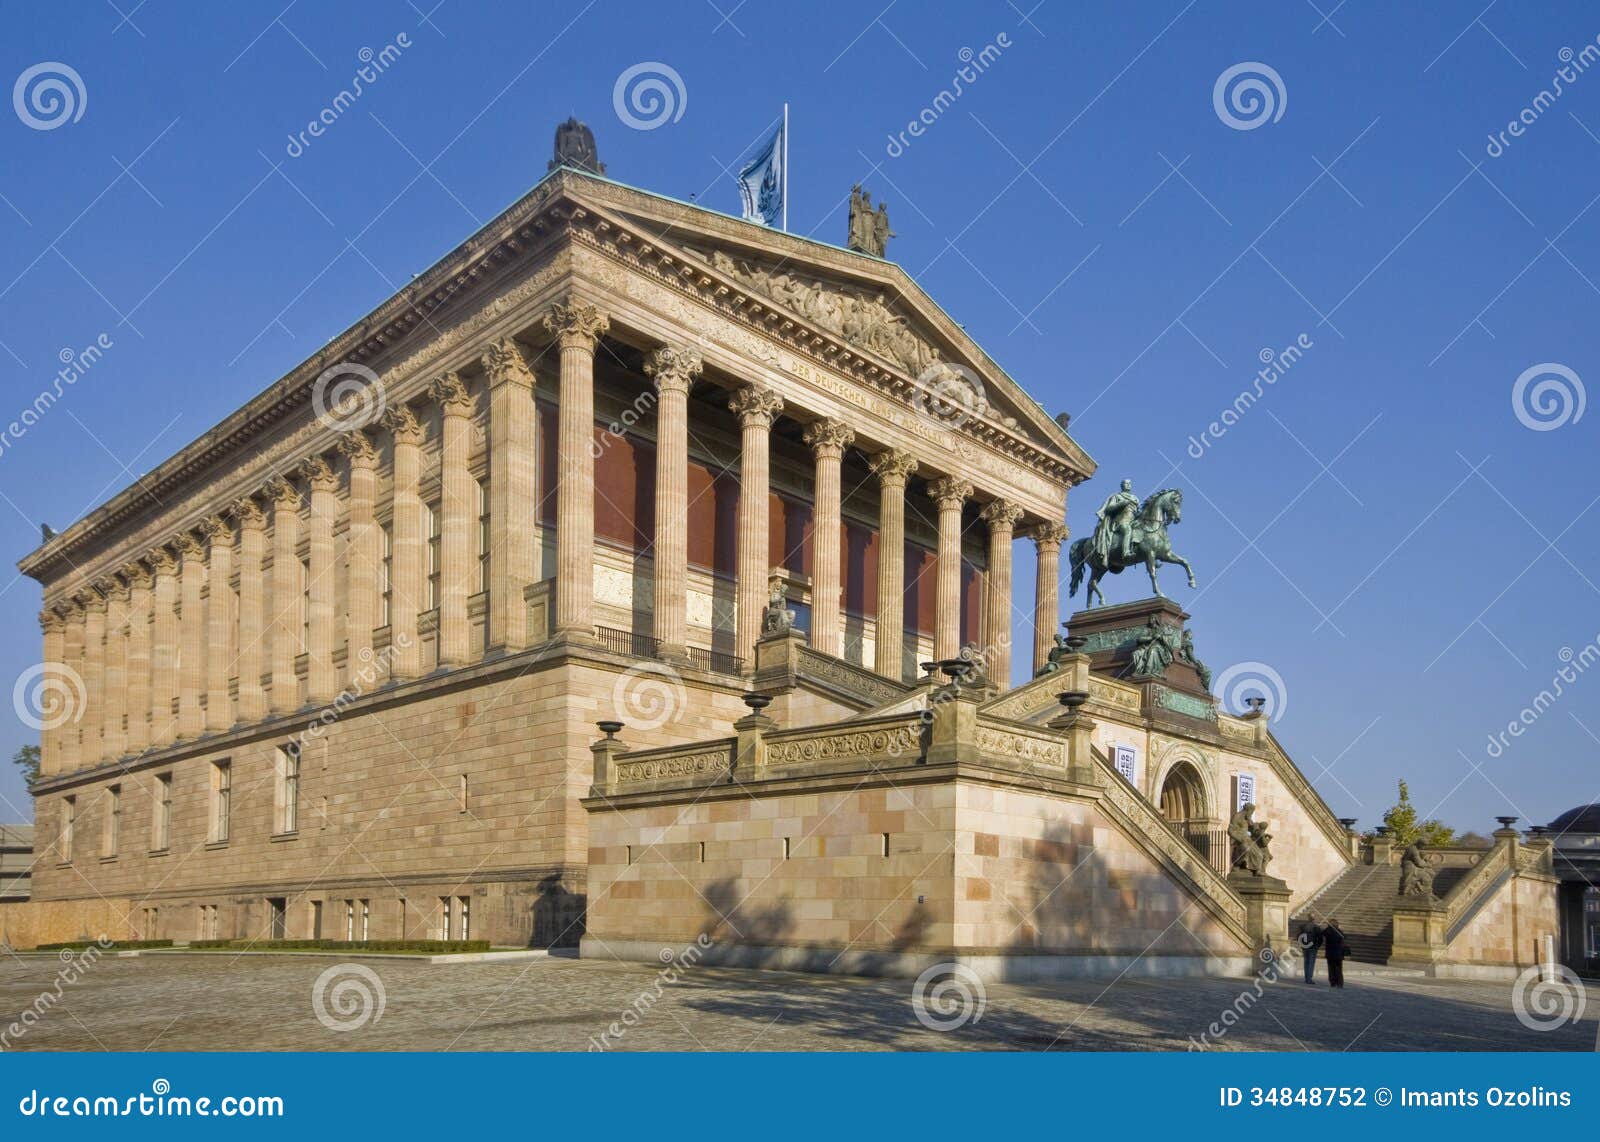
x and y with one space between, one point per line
870 304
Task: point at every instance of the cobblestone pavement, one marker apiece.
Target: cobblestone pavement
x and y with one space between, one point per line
214 1002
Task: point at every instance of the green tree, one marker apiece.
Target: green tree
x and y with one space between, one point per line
27 759
1405 827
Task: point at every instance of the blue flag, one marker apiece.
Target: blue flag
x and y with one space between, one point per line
764 180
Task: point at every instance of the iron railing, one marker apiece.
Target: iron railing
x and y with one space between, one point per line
636 645
715 660
1214 845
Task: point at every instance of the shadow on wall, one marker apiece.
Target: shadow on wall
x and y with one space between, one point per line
557 915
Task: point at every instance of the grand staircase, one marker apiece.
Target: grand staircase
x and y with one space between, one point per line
1363 899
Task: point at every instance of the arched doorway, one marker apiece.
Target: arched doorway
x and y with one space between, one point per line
1183 802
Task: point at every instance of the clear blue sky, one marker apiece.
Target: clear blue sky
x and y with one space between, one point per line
1381 529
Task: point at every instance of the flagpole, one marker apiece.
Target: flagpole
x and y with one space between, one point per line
786 167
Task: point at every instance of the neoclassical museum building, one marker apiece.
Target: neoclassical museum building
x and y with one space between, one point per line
582 591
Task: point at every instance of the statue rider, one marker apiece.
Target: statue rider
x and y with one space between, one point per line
1116 520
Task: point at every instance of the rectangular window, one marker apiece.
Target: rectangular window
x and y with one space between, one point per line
69 823
316 919
161 820
466 923
483 535
349 919
461 794
385 575
366 920
286 796
208 922
444 917
305 605
221 801
111 824
430 520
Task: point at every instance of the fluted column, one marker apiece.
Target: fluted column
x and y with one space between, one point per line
252 609
69 744
950 494
756 408
163 647
455 516
1002 518
578 328
322 684
363 559
285 624
1047 590
828 440
674 371
219 622
114 737
406 545
893 470
94 673
138 703
513 429
53 629
191 635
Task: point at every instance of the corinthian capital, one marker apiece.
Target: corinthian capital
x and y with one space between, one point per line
161 561
950 492
505 364
285 496
249 514
1045 534
319 474
50 622
358 449
893 468
136 574
755 405
450 391
673 368
1000 515
216 529
187 546
576 324
829 437
402 423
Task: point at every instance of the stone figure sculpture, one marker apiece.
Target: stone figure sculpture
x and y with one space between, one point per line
575 148
1153 652
776 617
1416 872
1251 841
868 231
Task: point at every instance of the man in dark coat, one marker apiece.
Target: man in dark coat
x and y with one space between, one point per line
1310 941
1335 948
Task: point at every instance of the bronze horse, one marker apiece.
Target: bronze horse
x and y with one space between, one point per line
1149 546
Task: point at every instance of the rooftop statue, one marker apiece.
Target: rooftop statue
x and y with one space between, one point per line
1127 534
869 229
575 148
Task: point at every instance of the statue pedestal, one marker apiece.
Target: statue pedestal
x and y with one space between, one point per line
1113 634
1266 902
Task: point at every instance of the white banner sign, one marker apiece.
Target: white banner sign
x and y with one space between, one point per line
1244 785
1127 763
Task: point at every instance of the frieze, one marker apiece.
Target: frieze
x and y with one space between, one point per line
1189 705
1019 745
897 741
847 677
675 767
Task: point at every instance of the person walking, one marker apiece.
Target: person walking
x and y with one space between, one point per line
1310 941
1335 949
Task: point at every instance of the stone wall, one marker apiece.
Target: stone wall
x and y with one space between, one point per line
34 922
1508 929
